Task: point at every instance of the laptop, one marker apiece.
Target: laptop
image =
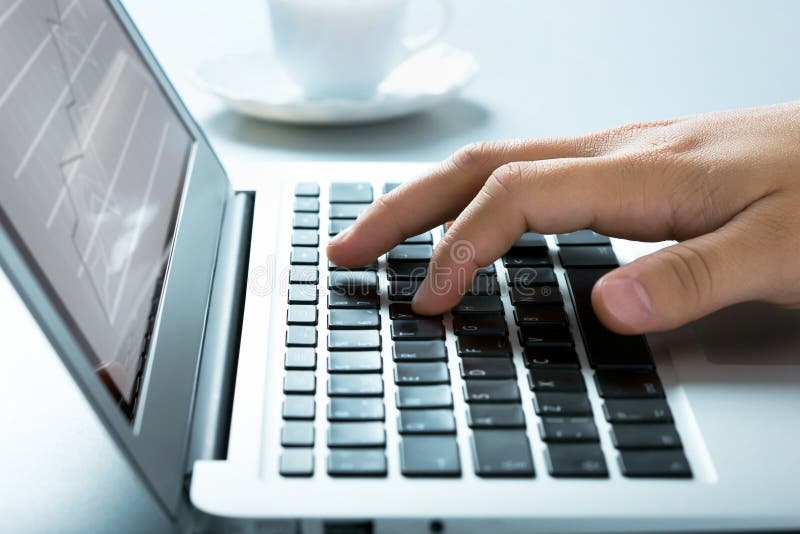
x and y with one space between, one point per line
253 384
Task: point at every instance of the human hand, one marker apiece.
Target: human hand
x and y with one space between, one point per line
725 185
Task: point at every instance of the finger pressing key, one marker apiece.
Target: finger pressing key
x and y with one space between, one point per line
435 198
548 196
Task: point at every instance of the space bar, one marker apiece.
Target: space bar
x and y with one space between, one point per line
605 349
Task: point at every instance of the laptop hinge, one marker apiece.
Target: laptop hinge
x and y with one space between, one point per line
214 393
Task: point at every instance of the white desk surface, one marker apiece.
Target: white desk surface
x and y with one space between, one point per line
548 68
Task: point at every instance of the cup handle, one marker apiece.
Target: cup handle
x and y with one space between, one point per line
415 43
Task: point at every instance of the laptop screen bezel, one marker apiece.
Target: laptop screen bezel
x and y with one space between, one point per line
156 440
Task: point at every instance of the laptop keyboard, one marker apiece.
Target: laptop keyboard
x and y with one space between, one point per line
346 326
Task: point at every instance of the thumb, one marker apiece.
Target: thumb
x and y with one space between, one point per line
683 282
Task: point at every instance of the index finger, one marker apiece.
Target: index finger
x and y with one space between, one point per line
437 197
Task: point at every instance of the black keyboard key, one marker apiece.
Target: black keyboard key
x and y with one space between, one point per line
542 335
560 429
298 407
556 380
552 357
410 253
535 257
580 460
490 368
480 325
533 315
305 238
425 238
530 240
633 383
305 221
356 409
419 351
369 267
402 310
491 391
300 358
484 285
424 397
306 189
407 270
561 404
306 205
588 257
637 411
645 436
388 187
531 276
356 282
354 340
337 226
604 348
481 304
354 319
346 211
360 463
501 453
301 336
297 434
426 422
356 434
360 300
303 294
495 416
429 456
496 347
304 314
304 274
299 382
403 290
535 295
304 256
419 329
349 192
655 463
426 373
582 237
297 462
362 361
355 385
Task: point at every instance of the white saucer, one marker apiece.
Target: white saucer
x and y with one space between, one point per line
254 84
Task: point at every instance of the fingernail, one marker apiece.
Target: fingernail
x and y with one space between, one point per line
627 300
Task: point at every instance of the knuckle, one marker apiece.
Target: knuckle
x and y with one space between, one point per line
473 155
654 142
591 145
385 203
618 137
509 177
691 269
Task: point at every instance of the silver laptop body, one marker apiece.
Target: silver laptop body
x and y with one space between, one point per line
172 294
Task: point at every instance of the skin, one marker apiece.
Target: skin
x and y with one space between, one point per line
726 186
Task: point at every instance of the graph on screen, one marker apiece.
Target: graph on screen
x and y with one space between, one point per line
92 162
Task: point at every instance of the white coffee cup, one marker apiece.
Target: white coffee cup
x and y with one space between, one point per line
345 48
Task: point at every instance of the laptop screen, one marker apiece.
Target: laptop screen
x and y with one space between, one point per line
92 163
